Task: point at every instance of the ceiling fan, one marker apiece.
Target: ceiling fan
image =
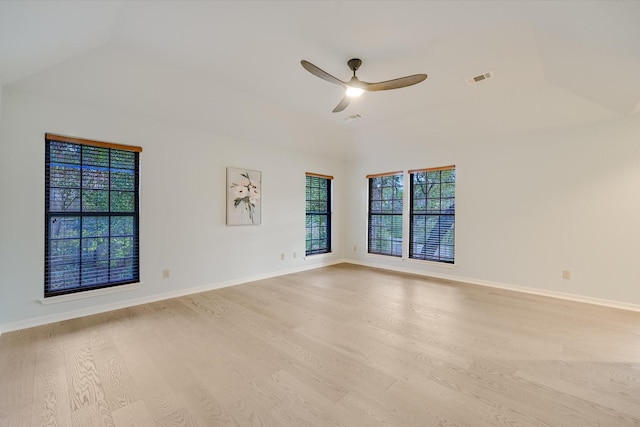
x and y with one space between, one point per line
356 87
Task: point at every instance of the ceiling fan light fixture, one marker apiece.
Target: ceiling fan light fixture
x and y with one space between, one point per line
354 92
355 87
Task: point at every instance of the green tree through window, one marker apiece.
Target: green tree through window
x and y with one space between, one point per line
318 214
432 214
385 214
91 209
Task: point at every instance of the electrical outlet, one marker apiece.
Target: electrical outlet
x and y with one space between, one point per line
166 274
281 257
566 274
294 254
355 249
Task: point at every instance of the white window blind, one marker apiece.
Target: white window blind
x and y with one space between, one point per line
385 214
91 215
318 214
432 214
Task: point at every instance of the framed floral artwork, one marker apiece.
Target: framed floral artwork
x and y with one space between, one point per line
244 203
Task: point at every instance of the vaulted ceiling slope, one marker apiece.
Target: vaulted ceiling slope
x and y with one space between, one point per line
554 62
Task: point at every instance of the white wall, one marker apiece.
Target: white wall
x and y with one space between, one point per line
3 204
527 207
183 173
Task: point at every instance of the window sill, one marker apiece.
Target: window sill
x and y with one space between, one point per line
89 294
412 260
432 263
383 256
318 256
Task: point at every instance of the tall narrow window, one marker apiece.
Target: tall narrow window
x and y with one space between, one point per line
385 214
318 220
432 214
91 215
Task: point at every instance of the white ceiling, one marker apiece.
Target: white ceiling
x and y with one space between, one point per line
555 63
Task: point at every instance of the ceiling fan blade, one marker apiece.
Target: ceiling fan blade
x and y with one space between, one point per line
321 73
342 105
395 83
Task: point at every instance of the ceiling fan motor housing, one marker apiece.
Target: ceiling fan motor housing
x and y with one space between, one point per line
354 64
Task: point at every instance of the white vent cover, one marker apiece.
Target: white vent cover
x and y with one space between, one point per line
480 77
352 118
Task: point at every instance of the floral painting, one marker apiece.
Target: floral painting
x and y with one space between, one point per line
243 196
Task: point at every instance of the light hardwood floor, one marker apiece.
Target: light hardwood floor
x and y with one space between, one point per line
338 346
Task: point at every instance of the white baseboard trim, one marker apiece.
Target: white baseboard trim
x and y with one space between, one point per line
505 286
73 314
58 317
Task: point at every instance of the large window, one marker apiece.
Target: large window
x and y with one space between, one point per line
91 215
385 214
432 214
318 219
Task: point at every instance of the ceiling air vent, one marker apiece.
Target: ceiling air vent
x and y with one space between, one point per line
352 118
480 77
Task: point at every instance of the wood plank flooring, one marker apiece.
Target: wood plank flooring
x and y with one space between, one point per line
337 346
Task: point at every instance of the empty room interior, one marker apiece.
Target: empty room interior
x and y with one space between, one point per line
320 213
